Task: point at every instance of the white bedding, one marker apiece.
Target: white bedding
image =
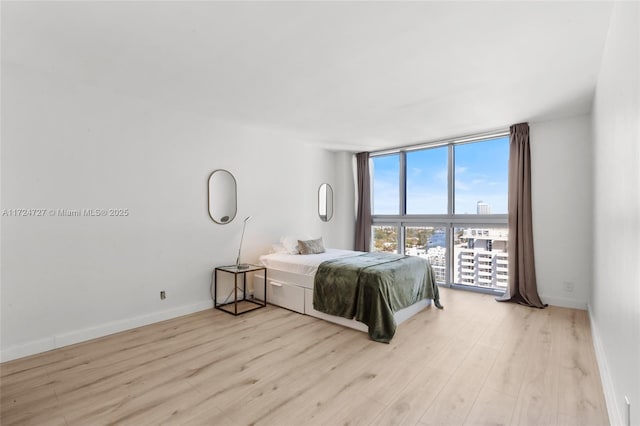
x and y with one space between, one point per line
303 264
291 282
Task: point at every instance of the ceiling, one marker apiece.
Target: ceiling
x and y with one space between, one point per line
346 75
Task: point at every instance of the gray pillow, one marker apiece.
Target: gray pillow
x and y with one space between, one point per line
311 246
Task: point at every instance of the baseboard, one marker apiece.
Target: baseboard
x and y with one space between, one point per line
564 303
82 335
615 418
29 348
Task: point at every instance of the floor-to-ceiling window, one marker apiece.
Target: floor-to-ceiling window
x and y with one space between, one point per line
446 201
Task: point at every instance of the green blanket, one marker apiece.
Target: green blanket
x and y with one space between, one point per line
371 287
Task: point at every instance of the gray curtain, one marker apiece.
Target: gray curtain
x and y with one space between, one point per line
522 286
363 217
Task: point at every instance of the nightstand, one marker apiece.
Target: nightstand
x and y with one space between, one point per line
243 305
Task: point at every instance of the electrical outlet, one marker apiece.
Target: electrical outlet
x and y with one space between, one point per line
163 295
628 405
567 286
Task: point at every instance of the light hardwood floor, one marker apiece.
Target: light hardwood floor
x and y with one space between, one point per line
476 362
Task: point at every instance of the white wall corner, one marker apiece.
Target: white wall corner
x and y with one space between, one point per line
564 302
615 417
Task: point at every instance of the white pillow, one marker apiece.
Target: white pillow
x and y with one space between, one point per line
290 244
278 248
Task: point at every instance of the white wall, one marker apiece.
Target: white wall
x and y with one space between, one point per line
67 146
561 198
615 299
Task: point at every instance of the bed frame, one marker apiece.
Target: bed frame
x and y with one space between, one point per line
295 292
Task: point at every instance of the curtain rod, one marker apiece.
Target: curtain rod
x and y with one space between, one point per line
455 140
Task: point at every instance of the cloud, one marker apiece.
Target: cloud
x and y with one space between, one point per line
416 171
442 175
462 185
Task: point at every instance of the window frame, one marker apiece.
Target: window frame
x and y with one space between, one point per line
450 220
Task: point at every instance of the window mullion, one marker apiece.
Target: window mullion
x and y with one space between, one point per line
449 258
450 181
450 210
403 200
403 183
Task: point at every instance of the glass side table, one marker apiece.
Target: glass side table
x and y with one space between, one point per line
243 305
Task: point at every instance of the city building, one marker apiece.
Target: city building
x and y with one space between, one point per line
483 208
481 258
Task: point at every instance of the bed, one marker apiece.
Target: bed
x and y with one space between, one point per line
370 292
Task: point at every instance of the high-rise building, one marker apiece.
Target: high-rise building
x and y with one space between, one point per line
438 259
483 208
482 258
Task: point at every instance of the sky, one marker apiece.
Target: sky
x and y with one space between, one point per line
480 175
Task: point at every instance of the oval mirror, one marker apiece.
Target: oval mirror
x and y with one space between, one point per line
325 202
222 196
